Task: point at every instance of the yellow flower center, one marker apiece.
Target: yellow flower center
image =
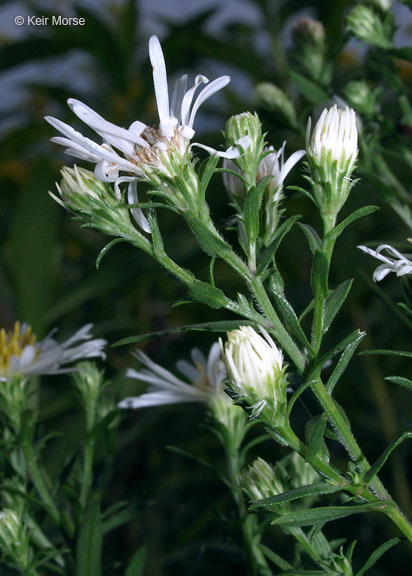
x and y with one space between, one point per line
12 343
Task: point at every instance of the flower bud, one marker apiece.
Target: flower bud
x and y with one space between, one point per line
95 202
246 127
260 481
364 23
270 97
14 540
383 5
362 98
309 47
332 150
254 369
89 383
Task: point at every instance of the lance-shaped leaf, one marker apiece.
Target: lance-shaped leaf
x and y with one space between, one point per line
89 542
267 255
275 558
374 557
373 470
136 564
295 494
251 212
311 91
343 362
223 326
327 514
359 213
401 381
291 320
404 353
315 430
334 302
342 345
313 238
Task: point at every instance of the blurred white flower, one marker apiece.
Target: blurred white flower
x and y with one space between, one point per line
204 380
394 261
140 150
21 355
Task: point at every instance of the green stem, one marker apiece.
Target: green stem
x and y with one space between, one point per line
255 559
87 472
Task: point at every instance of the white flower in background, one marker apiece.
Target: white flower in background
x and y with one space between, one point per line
204 380
254 367
21 355
141 151
393 261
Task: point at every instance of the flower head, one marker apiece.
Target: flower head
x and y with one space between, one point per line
393 261
204 380
142 152
14 540
254 369
332 150
22 355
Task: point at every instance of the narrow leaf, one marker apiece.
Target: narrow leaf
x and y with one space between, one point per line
294 494
359 213
327 514
374 557
311 91
342 345
275 558
89 542
290 320
400 381
343 362
319 275
373 470
335 301
136 564
223 326
314 241
387 353
105 250
316 443
267 255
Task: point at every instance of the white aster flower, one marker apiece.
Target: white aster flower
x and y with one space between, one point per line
254 367
140 151
393 261
335 137
274 165
21 355
205 377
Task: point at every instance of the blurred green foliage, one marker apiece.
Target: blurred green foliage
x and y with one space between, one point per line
48 277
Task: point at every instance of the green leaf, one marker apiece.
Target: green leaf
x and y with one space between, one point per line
121 517
373 470
251 212
311 91
313 238
275 558
268 254
90 541
223 326
136 564
207 170
319 276
207 294
105 250
387 353
327 514
334 302
295 494
315 431
290 320
33 242
343 362
342 345
374 557
400 381
359 213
